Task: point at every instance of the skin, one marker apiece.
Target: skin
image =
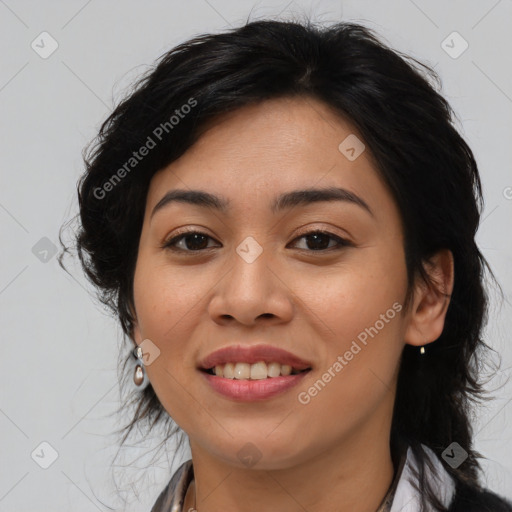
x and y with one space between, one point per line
332 453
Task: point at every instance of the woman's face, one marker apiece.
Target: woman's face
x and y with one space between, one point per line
255 277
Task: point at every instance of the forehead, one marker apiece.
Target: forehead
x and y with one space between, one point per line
251 154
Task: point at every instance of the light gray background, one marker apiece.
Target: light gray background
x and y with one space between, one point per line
58 350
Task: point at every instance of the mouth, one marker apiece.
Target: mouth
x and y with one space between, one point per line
253 362
256 371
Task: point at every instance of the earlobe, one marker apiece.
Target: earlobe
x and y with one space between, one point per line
431 302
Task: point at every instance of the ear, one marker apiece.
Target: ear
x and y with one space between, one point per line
430 303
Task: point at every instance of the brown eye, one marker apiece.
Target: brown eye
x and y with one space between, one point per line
191 241
319 241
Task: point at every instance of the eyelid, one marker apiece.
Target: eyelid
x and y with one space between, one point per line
341 241
180 234
324 230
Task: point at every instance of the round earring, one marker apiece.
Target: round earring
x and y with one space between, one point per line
422 350
139 375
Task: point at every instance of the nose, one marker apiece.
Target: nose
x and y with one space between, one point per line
251 290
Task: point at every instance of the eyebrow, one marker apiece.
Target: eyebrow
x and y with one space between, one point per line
284 201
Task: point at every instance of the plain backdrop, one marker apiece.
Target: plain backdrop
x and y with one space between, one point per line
59 349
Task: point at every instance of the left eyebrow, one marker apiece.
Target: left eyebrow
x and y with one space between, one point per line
313 195
284 201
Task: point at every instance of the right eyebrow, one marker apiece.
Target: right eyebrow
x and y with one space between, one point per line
194 197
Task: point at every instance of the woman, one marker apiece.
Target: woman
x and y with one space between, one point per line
282 217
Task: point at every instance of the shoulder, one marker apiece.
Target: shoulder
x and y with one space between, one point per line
453 495
473 499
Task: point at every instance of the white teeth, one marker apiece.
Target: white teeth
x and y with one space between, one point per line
256 371
228 371
242 370
286 369
274 369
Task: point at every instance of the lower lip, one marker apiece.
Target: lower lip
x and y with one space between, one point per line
253 390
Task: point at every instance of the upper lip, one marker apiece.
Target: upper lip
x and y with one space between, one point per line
252 354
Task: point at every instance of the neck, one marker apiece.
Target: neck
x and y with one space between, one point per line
353 476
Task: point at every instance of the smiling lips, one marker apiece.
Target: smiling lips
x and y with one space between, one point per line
253 373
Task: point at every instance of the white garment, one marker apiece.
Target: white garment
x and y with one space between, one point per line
407 498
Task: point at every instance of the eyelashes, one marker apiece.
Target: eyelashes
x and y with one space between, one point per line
197 239
171 244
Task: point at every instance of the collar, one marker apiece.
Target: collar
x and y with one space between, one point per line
401 497
407 498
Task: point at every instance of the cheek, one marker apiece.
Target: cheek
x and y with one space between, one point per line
168 308
358 371
351 298
359 313
164 298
